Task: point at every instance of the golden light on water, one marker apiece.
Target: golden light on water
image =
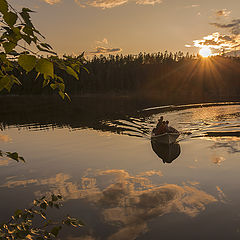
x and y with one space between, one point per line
205 52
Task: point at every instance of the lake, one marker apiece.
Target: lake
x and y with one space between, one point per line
111 176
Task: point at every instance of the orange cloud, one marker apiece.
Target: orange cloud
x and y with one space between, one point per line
103 50
51 2
222 13
218 43
5 138
148 2
105 4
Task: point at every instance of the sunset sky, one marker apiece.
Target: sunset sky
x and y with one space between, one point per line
133 26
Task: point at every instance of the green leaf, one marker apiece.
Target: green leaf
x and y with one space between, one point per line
58 78
81 55
70 71
3 81
6 82
27 62
8 46
28 30
86 70
14 53
3 57
27 39
60 86
67 97
3 6
26 17
38 74
10 18
45 50
62 95
46 82
22 159
15 80
46 45
45 67
27 10
53 86
13 156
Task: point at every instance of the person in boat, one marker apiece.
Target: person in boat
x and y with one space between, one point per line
159 125
161 128
160 121
166 127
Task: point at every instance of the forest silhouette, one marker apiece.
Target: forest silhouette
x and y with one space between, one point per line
165 77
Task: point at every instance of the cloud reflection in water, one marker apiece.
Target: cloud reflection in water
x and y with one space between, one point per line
5 138
126 200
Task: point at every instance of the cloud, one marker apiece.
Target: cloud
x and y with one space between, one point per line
104 41
4 162
221 195
79 3
106 4
218 42
151 173
5 138
51 2
233 27
222 13
218 160
148 2
192 6
103 50
104 47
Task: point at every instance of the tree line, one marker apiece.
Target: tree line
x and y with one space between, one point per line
169 77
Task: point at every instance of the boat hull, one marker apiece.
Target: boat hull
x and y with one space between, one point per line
165 138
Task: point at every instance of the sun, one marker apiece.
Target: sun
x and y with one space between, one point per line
205 51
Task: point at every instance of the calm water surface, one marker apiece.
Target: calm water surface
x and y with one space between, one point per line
117 183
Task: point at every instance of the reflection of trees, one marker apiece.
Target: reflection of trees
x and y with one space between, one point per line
96 113
118 115
125 200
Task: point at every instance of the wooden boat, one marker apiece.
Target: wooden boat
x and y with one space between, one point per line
165 138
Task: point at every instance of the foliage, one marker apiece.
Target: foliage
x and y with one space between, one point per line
22 224
12 155
17 30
